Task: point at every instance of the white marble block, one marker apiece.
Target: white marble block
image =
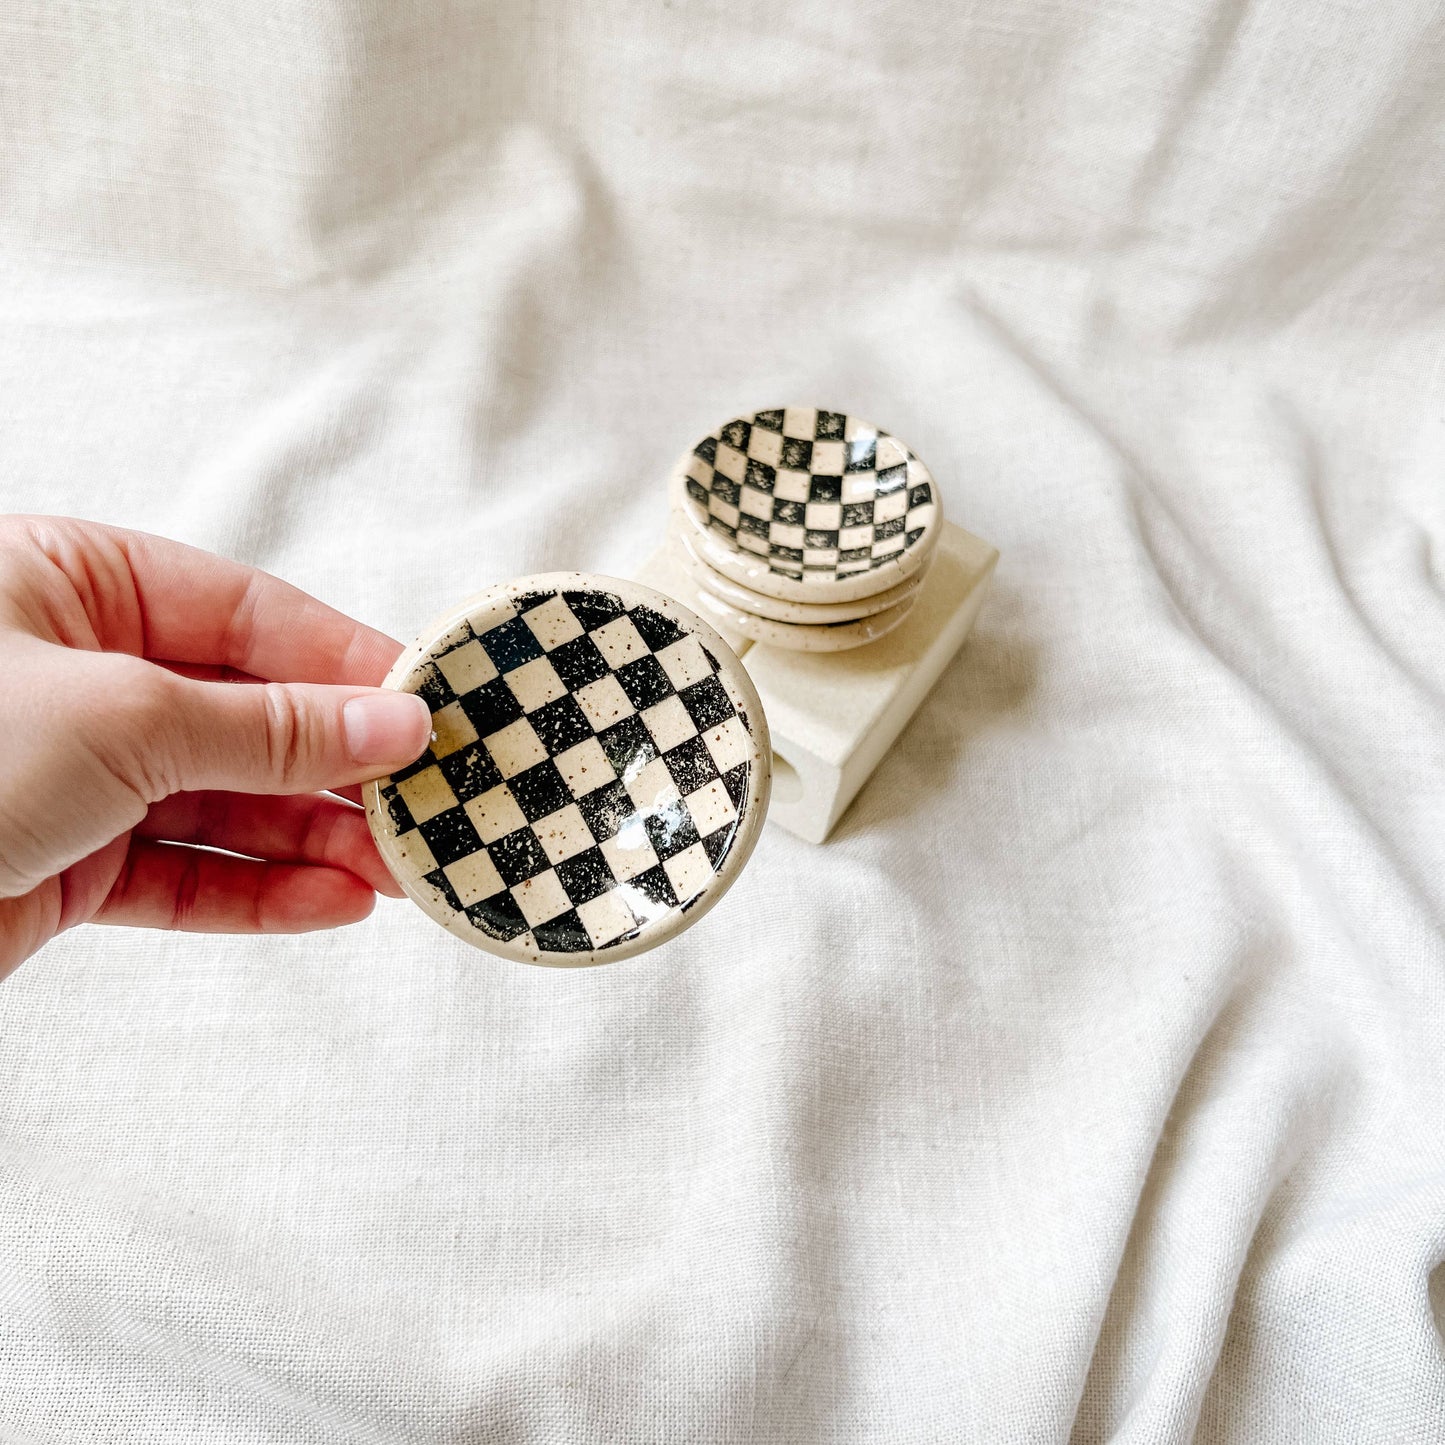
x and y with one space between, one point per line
834 715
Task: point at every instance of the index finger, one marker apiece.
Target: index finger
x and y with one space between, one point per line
190 606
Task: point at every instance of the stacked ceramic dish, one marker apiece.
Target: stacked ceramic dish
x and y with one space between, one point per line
804 528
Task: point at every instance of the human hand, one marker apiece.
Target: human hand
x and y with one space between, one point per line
157 697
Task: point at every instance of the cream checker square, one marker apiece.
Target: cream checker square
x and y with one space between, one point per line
452 729
536 683
516 748
669 722
765 446
541 898
827 459
604 702
653 786
800 421
584 767
684 662
823 516
792 486
474 877
606 917
628 851
730 462
728 743
711 807
467 667
553 623
619 641
755 503
495 813
689 872
852 537
563 834
427 793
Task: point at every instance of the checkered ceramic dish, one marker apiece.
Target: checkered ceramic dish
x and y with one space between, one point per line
598 774
808 505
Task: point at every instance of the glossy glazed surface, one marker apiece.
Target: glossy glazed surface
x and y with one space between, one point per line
808 505
777 609
829 637
598 773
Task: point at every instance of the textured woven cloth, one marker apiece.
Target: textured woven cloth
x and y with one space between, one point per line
1088 1085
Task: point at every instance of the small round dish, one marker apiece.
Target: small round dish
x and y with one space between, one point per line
808 505
598 774
829 637
774 608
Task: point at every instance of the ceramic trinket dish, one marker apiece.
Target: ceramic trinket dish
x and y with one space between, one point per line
598 774
775 609
807 505
820 637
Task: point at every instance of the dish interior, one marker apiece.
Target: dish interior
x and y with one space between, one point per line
813 495
587 774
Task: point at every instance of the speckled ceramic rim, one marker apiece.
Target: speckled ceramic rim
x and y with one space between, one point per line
750 824
832 637
799 614
742 567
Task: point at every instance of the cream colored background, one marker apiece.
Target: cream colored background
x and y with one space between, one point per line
1090 1084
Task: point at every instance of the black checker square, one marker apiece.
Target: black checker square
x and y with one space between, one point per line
578 662
644 681
844 461
562 934
737 434
657 886
797 454
518 856
511 644
431 685
715 845
491 707
605 810
760 475
439 880
396 808
736 780
670 829
628 740
541 790
585 875
560 724
469 771
707 702
450 836
499 916
691 765
655 630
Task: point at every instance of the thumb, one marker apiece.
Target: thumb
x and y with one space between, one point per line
287 737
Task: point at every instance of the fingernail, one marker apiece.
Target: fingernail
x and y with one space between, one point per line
386 727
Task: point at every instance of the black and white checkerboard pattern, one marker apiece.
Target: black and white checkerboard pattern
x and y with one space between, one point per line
817 495
586 776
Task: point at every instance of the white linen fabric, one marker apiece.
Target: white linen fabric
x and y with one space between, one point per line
1088 1084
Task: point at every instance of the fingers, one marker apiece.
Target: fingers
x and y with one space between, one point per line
315 828
277 737
167 885
162 599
